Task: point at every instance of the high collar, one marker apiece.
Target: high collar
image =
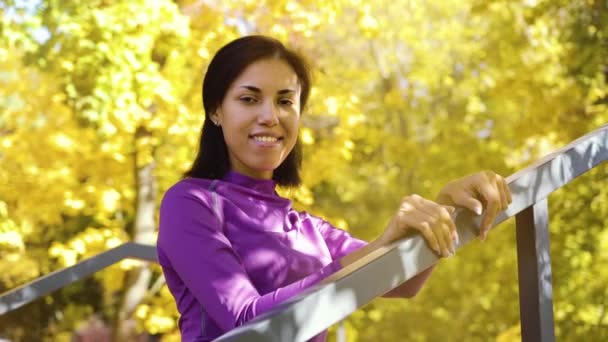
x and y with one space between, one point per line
261 185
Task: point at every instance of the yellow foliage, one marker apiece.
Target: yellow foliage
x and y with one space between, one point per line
512 334
304 195
307 136
407 95
10 239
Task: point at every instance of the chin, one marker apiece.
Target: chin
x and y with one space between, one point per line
266 165
263 165
263 168
267 168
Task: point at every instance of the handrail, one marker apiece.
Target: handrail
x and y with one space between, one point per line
310 313
46 284
313 311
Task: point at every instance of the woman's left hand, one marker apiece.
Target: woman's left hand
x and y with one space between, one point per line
483 192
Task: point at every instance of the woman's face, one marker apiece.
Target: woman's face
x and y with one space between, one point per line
260 116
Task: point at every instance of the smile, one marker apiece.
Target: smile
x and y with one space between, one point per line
265 138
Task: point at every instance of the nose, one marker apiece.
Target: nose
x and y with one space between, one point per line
269 114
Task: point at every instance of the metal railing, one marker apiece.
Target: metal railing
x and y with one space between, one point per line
44 285
313 311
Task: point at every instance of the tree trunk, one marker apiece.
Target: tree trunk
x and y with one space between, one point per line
138 279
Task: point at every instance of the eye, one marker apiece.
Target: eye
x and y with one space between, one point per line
286 102
248 99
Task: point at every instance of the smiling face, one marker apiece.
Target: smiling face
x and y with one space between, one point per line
260 116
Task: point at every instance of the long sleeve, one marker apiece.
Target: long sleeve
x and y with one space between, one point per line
341 243
191 243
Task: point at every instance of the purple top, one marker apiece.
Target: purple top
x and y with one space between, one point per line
233 249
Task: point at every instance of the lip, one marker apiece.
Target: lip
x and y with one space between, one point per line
265 134
266 143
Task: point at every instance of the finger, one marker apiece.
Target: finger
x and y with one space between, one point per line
442 232
412 214
421 203
492 205
446 215
467 200
419 221
488 218
448 236
452 226
440 219
434 209
426 224
449 208
507 190
503 191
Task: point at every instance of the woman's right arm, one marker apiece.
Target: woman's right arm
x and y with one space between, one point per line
415 213
192 243
483 192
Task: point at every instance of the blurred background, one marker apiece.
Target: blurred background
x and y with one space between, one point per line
100 112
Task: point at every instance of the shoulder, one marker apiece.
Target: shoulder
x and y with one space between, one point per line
189 189
186 215
190 197
188 205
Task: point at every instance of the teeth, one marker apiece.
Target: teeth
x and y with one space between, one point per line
265 139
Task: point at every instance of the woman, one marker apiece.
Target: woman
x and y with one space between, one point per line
231 248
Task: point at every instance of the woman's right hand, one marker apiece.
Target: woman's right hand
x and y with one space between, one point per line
432 220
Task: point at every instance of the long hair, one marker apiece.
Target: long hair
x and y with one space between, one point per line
212 160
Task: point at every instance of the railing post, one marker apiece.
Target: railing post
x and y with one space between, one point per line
534 269
341 332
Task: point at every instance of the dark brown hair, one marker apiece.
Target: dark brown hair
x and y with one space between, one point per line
229 62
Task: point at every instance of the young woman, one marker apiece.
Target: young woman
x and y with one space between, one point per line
230 247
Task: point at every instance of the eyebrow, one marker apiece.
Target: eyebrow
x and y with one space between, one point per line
258 90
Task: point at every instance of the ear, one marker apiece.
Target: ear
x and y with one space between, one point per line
216 117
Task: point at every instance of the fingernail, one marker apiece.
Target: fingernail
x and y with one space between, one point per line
478 211
456 238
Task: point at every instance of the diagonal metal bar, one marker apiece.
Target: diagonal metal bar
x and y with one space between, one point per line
308 314
534 269
42 286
